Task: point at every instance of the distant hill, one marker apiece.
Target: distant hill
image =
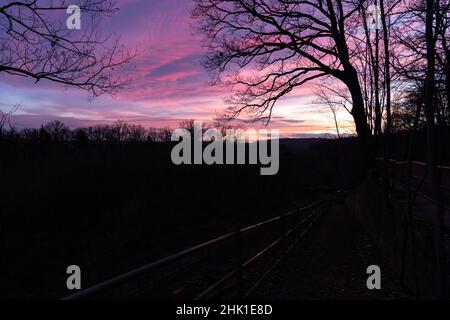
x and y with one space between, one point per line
299 144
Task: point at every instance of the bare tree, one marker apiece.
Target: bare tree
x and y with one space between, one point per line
5 118
265 49
118 131
35 44
159 134
367 67
335 98
376 70
188 124
431 25
136 132
57 131
384 15
165 134
443 52
405 116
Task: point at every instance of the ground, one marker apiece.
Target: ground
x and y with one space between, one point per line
331 263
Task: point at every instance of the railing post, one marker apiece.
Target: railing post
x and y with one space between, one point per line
394 173
439 177
299 224
283 226
239 260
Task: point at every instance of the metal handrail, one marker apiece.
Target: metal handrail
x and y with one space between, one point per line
258 255
420 194
413 162
111 283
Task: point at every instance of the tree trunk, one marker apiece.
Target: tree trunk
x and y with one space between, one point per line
387 66
387 132
376 70
360 119
440 262
447 88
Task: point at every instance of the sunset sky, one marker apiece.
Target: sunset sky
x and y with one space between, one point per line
168 82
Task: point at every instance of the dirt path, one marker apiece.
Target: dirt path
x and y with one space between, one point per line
331 263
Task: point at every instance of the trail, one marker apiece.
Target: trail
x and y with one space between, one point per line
331 263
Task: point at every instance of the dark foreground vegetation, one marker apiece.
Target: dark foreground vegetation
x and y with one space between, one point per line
115 201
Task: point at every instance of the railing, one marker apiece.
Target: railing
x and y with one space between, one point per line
300 221
398 171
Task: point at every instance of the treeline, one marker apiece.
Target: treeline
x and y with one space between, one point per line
117 132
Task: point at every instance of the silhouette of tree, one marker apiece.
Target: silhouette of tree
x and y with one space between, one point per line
404 114
33 43
80 136
188 125
159 135
118 131
5 118
335 99
265 49
57 131
431 29
136 132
